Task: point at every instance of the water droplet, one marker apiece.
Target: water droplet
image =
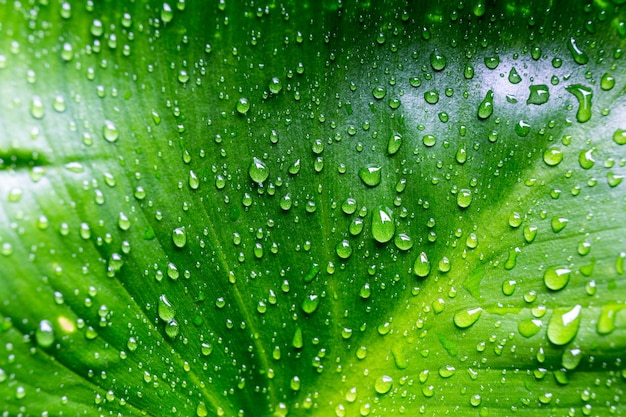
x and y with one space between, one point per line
371 175
421 267
431 96
556 278
619 136
310 303
464 198
539 94
243 105
466 318
258 171
508 286
165 309
437 61
356 226
123 222
522 128
343 249
285 202
349 206
475 400
201 409
383 384
558 224
297 340
468 71
275 86
606 322
571 359
583 95
514 77
44 335
166 13
403 241
529 327
395 141
179 237
585 159
109 131
607 82
579 56
379 92
383 226
530 233
36 108
492 62
564 324
172 328
552 156
485 108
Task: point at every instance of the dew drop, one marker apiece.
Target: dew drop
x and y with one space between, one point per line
258 171
514 77
394 143
310 303
383 384
579 56
167 13
437 61
243 105
485 108
619 136
165 309
583 95
344 249
522 128
552 156
36 108
556 278
275 86
564 324
607 82
585 159
431 96
179 237
383 226
606 322
371 175
44 335
464 198
421 267
110 132
403 241
466 318
539 94
558 224
571 359
529 327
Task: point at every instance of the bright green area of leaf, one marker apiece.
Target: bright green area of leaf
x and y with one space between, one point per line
305 208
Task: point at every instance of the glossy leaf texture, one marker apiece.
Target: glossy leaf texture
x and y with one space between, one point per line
312 208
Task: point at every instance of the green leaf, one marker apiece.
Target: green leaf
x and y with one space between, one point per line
312 208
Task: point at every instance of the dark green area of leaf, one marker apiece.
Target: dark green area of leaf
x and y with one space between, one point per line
312 208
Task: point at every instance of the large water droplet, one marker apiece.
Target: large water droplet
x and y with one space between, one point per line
343 249
514 77
529 327
421 267
371 175
179 237
383 226
258 171
464 198
383 384
44 335
310 303
606 322
583 95
395 141
552 156
564 324
466 318
556 278
109 131
539 94
165 309
619 136
579 56
485 108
